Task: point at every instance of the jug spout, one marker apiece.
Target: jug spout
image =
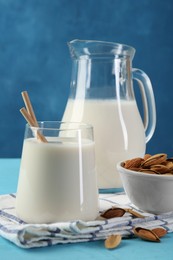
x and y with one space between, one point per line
97 49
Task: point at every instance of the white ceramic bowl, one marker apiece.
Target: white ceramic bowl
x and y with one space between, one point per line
149 192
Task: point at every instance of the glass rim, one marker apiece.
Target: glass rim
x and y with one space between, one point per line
115 47
80 126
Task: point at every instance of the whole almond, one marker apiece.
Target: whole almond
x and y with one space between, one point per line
146 234
169 164
160 168
160 232
133 163
113 213
146 156
148 171
112 241
136 169
155 159
135 213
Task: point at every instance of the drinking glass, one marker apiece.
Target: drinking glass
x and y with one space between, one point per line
57 180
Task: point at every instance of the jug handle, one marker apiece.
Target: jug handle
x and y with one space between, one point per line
147 100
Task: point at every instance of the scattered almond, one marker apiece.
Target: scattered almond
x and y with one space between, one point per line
146 234
135 213
113 213
112 241
160 232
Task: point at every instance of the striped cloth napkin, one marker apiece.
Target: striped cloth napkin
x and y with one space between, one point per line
40 235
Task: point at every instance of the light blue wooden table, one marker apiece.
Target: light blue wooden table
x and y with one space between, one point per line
129 249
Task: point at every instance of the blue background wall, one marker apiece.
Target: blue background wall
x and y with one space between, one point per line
34 57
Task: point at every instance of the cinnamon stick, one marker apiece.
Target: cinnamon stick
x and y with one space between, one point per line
32 123
29 107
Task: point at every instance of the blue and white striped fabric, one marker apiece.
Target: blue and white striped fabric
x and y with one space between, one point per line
36 235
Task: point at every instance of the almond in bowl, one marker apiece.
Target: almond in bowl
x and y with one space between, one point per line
148 182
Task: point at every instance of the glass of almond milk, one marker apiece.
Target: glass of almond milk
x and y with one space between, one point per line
57 180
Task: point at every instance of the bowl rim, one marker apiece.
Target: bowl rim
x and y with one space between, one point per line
135 173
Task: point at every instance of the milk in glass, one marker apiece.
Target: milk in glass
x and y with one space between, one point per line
57 181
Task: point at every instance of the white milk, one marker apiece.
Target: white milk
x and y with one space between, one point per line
118 133
57 182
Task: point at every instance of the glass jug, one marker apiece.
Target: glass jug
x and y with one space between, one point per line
102 95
